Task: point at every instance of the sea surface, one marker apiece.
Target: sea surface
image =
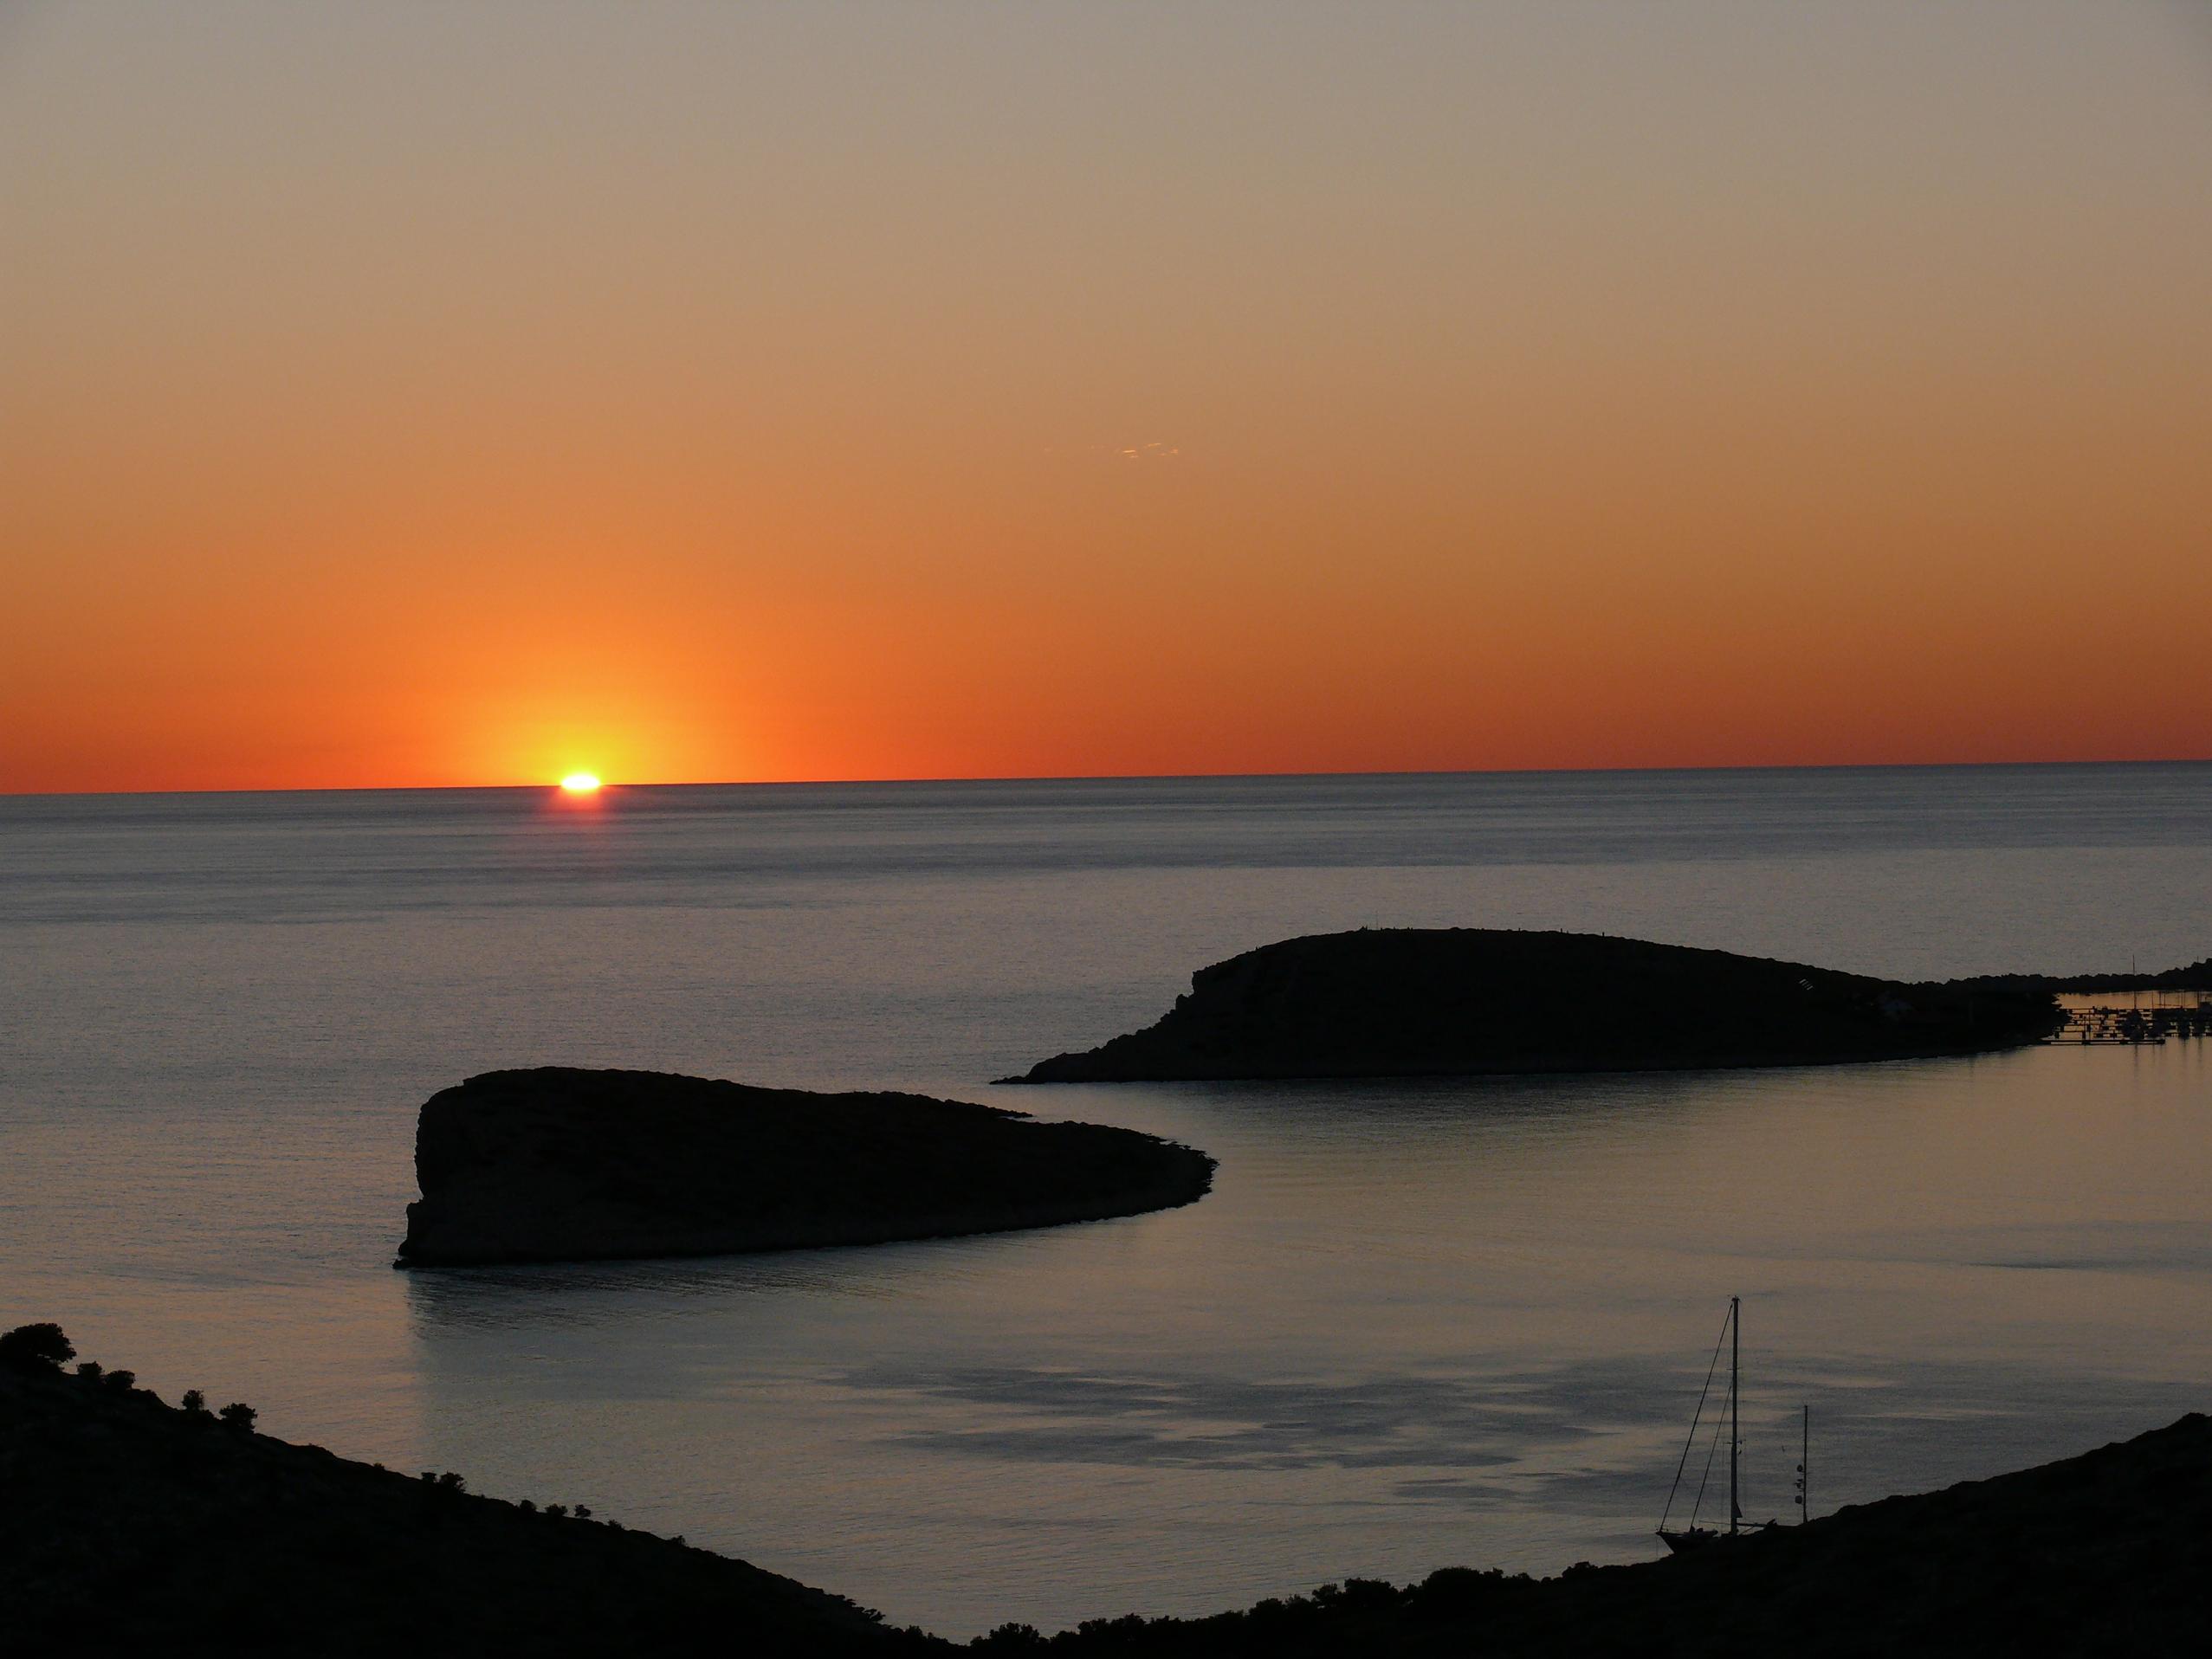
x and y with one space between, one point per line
1414 1324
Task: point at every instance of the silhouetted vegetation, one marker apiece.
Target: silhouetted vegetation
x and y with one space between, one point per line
560 1164
239 1415
1461 1000
35 1347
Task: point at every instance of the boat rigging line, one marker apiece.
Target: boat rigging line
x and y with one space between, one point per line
1691 1440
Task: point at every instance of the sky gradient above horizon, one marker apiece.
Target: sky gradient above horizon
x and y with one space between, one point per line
415 394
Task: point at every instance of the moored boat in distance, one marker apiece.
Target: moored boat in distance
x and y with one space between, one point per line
1691 1535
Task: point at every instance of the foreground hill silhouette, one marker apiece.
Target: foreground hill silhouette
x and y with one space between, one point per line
128 1524
1440 1002
2108 1553
563 1164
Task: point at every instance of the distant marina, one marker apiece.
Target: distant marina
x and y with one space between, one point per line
2167 1016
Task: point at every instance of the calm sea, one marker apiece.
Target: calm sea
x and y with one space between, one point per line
1414 1324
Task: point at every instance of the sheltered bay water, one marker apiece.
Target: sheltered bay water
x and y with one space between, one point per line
1426 1323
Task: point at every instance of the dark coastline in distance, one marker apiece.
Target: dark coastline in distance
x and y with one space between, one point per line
134 1525
1452 1002
560 1164
2195 976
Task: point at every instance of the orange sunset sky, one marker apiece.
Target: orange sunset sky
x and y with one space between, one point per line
426 394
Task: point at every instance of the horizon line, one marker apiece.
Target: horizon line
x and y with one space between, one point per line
1116 777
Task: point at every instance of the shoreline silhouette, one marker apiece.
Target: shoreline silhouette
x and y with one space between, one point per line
130 1522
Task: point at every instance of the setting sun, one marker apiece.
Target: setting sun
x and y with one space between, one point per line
581 783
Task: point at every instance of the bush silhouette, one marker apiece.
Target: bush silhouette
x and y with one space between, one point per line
121 1381
89 1370
35 1347
239 1415
193 1401
557 1510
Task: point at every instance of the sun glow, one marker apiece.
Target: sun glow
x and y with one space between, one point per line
579 783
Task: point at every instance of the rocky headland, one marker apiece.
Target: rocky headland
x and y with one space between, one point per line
1443 1002
562 1165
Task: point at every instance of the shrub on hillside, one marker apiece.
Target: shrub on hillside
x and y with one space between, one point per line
35 1347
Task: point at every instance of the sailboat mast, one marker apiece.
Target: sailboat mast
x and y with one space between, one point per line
1735 1401
1805 1469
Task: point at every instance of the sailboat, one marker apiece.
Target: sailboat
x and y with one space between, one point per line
1692 1536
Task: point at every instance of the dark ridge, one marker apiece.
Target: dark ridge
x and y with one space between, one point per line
2197 976
562 1165
1442 1002
126 1525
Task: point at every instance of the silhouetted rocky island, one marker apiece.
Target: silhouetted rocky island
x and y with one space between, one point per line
557 1163
128 1524
1442 1002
